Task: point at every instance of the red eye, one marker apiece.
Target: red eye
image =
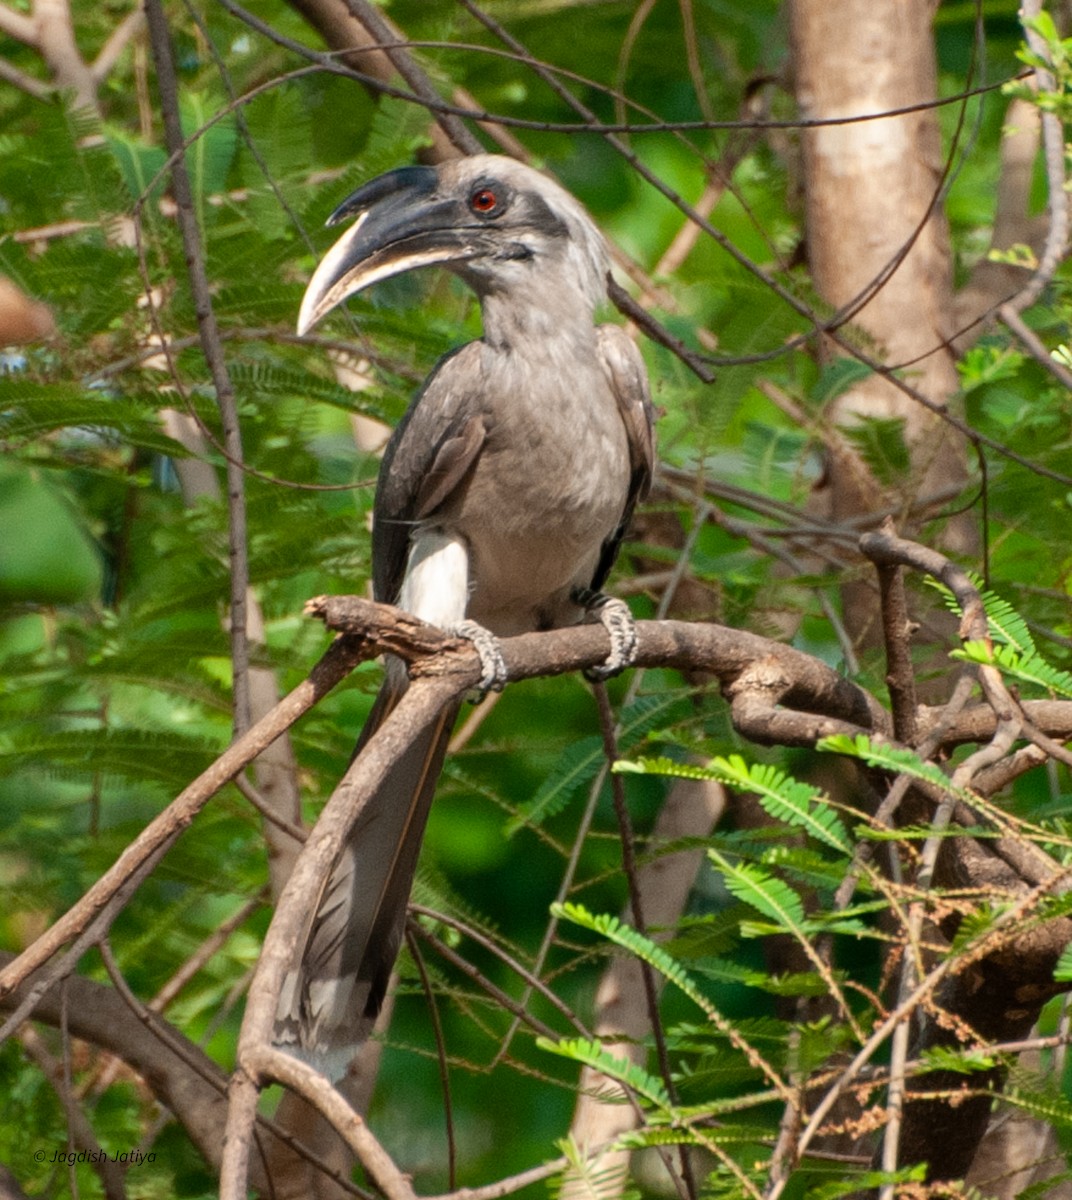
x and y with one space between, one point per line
483 200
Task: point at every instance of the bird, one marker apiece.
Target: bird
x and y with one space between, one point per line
501 502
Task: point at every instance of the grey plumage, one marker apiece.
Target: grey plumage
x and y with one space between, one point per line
502 499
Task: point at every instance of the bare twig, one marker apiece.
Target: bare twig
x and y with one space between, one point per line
116 42
212 349
441 1056
496 993
897 630
18 25
80 1130
1034 345
393 45
25 83
1053 147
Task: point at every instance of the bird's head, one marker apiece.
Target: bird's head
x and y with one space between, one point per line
497 223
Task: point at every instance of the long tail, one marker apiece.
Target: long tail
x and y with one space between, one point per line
331 999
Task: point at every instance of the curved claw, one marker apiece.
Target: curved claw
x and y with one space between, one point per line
614 615
486 644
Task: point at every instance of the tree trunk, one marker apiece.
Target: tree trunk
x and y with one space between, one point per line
878 242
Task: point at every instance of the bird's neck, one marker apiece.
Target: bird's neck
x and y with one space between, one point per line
530 324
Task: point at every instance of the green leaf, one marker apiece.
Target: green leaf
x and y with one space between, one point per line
977 924
768 895
1027 668
786 799
626 1072
1054 1109
960 1062
881 444
644 948
139 164
1063 971
46 554
587 1179
1042 23
838 377
1004 622
896 759
209 156
578 765
869 1182
35 408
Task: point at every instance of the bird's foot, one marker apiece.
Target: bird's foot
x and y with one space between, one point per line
614 615
492 666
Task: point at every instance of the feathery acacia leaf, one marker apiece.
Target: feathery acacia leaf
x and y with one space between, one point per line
786 799
1029 667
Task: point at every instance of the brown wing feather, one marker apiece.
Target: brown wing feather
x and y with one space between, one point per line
430 452
628 379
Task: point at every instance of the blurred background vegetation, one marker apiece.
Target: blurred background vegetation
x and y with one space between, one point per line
114 659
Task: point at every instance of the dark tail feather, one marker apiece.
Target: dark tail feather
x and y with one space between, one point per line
330 1001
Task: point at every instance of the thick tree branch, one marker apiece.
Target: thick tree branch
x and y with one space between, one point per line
257 1062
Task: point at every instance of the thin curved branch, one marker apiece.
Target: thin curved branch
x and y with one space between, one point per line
1053 148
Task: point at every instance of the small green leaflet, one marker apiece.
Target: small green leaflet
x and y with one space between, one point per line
579 763
786 799
628 938
592 1054
1047 1107
963 1062
1005 623
772 897
895 759
1014 653
1026 667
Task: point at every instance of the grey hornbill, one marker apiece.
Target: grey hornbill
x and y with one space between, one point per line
502 499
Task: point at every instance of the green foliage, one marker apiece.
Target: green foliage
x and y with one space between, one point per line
881 444
577 767
962 1062
1015 653
587 1178
1029 668
770 896
895 759
1063 971
784 798
115 674
592 1054
1003 621
637 944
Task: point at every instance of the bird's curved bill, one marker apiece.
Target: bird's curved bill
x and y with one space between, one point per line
401 224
